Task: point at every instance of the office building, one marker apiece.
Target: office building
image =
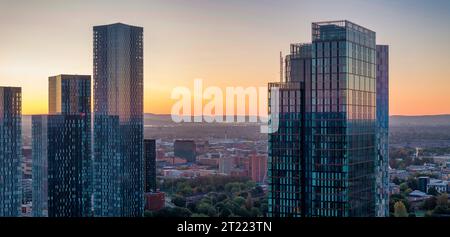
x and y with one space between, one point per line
422 183
185 149
118 121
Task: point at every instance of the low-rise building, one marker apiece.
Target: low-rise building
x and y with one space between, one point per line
154 201
440 185
394 189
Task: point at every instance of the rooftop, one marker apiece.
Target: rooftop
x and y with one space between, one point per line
417 193
345 24
117 24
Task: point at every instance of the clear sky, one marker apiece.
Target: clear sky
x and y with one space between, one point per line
226 43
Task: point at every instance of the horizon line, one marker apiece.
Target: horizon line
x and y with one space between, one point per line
168 114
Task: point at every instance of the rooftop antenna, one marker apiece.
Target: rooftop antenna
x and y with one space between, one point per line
281 66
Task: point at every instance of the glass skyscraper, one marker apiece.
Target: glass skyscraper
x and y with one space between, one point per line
382 130
39 165
323 159
62 160
150 165
10 151
118 121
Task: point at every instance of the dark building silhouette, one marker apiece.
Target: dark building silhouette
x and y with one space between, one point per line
150 165
185 149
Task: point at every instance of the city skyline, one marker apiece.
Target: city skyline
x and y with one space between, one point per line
215 47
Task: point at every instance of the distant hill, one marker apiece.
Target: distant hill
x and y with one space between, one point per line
164 122
396 120
425 120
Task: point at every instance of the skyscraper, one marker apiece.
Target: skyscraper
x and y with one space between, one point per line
10 151
40 165
150 165
118 120
382 199
323 159
62 161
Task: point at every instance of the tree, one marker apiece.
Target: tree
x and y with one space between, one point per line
173 212
206 208
242 212
408 191
397 198
255 212
249 202
403 187
413 183
400 210
149 214
396 181
225 212
179 201
199 215
240 201
192 207
442 201
257 191
433 191
181 212
442 205
222 197
430 203
186 190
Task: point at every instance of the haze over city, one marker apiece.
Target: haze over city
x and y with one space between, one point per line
225 43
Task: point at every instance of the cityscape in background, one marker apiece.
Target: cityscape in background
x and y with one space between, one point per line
335 150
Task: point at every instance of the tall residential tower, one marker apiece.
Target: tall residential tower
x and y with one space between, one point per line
62 160
118 120
382 199
10 151
323 160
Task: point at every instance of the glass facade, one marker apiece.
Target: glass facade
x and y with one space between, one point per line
66 159
150 165
62 157
10 151
118 109
286 174
339 156
383 130
40 165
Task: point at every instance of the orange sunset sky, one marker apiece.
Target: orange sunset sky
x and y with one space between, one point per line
225 43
